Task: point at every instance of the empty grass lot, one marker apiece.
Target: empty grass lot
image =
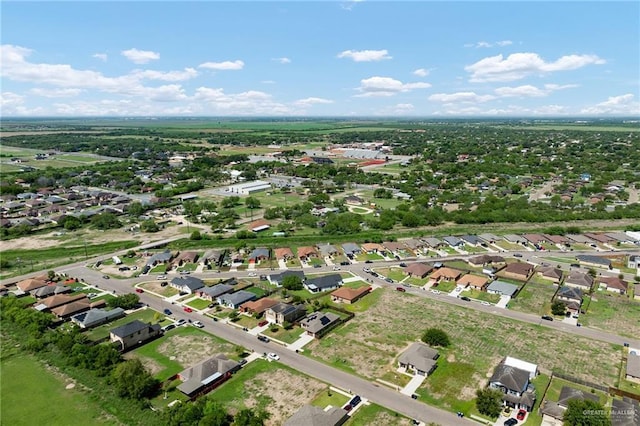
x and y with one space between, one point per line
373 414
613 312
534 298
33 395
370 343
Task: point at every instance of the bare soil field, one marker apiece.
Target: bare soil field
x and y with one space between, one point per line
190 349
371 342
287 392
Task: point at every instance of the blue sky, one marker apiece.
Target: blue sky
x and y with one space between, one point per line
364 58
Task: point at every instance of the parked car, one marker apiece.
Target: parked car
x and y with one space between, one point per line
185 272
212 305
521 414
161 277
198 324
347 407
355 400
389 280
188 309
510 422
485 303
368 261
402 289
506 412
517 255
317 266
106 277
167 312
547 317
168 327
164 283
336 268
345 263
272 357
252 274
465 298
575 265
403 265
435 291
181 321
262 338
139 290
263 323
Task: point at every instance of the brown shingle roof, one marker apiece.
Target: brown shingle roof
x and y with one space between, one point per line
281 253
350 294
473 280
615 283
446 272
31 284
307 251
418 269
519 268
258 306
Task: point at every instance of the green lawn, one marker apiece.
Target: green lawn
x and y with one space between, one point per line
534 298
287 336
329 397
145 315
256 290
373 414
199 303
445 286
556 387
481 295
369 256
32 395
613 312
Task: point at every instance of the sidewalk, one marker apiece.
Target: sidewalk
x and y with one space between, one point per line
413 385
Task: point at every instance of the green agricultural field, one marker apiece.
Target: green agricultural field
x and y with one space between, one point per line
33 395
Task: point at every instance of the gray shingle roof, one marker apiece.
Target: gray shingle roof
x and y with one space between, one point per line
506 289
309 415
216 290
512 378
324 282
237 298
130 328
419 355
317 321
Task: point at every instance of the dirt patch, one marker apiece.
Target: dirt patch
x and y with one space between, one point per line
383 418
191 349
281 393
149 363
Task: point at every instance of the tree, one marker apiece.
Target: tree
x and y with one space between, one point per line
585 413
131 380
105 221
252 203
489 402
149 225
558 308
126 301
195 235
436 337
250 417
292 282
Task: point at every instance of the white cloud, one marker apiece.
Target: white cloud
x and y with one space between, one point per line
486 44
503 43
102 56
365 55
185 74
223 66
350 4
531 91
615 105
12 104
10 99
386 86
268 82
520 65
307 102
55 93
421 72
140 56
251 102
460 97
283 60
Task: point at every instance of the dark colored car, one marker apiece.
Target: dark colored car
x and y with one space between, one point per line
139 290
400 289
355 400
164 283
348 407
264 339
188 309
317 266
465 298
263 323
389 280
403 265
521 414
345 263
517 255
167 312
368 261
547 317
510 422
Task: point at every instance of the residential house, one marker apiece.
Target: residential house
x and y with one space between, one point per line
625 412
315 416
349 295
306 253
414 244
186 257
57 300
134 333
514 383
234 300
633 367
50 290
31 284
205 376
535 239
434 242
187 284
351 249
453 241
520 271
580 280
257 307
283 253
66 311
471 240
372 248
613 284
550 273
213 257
600 237
417 269
276 279
489 238
515 239
580 239
323 283
259 254
395 247
284 312
445 274
319 323
328 250
485 259
419 359
502 288
556 410
476 282
159 258
633 262
597 261
571 297
96 317
560 240
354 200
213 292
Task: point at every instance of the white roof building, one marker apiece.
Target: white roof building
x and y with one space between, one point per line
532 369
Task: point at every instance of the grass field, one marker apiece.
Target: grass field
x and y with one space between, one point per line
369 344
534 298
613 312
34 395
373 414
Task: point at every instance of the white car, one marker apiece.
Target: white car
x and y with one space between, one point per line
485 303
252 274
272 357
198 324
435 291
161 277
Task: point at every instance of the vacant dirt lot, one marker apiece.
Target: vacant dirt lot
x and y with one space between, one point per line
371 342
191 349
286 392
